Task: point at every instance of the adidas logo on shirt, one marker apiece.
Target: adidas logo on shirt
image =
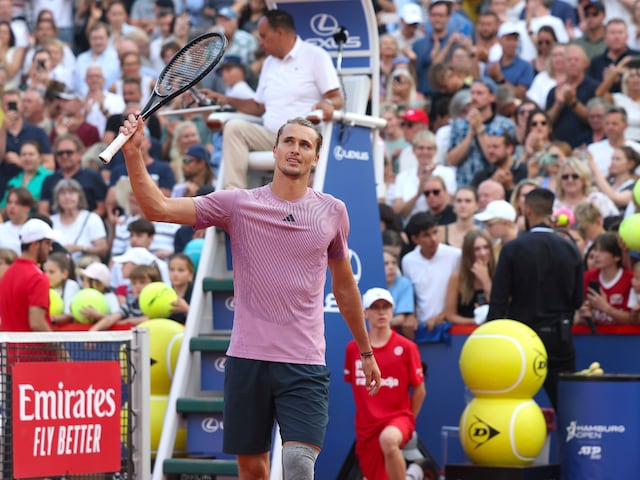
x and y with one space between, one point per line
289 218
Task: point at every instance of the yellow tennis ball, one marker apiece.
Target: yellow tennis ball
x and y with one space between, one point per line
165 340
502 431
56 305
629 230
157 410
503 358
156 298
88 297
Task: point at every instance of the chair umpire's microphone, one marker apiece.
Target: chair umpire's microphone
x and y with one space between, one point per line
340 37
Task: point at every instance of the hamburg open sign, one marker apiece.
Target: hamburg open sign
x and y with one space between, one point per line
66 418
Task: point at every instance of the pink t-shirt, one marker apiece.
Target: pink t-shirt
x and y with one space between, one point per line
280 252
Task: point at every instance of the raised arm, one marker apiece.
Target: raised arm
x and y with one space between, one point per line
155 205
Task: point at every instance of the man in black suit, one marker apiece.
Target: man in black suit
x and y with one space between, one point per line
539 282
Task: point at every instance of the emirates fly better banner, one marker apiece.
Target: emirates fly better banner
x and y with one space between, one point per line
66 418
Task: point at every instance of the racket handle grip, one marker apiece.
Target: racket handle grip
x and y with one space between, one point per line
108 153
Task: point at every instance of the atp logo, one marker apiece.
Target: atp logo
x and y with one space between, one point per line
480 432
324 24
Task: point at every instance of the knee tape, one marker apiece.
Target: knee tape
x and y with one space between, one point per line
298 461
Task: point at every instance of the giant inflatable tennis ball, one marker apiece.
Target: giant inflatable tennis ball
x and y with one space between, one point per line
88 297
158 408
502 431
156 298
503 358
56 305
629 231
165 340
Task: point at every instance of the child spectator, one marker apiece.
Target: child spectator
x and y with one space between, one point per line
607 286
62 278
98 276
181 271
130 313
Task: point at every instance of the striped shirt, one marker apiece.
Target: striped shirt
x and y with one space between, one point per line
280 252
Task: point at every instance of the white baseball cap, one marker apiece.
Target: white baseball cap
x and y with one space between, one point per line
497 210
34 230
137 255
508 28
98 271
374 294
411 13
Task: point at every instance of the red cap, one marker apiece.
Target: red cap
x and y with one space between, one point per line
416 116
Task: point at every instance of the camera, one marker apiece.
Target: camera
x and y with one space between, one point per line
12 106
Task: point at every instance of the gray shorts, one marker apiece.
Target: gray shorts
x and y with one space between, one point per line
256 392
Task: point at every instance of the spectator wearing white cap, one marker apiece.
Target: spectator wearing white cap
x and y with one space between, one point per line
24 288
136 255
499 219
98 276
511 68
410 30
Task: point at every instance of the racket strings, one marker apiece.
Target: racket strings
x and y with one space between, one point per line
187 65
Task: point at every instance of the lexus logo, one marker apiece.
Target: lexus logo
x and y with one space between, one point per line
323 24
211 425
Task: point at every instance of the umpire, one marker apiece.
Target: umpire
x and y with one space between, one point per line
539 282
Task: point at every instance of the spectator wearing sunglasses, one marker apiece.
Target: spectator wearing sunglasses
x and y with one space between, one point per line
68 150
574 185
592 26
197 172
438 200
401 90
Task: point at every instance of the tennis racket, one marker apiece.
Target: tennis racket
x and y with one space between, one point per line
187 67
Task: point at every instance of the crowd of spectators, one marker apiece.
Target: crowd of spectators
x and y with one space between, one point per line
484 101
518 94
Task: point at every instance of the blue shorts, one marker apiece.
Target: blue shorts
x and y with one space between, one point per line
256 392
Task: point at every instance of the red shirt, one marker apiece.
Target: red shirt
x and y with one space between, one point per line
23 285
401 367
616 292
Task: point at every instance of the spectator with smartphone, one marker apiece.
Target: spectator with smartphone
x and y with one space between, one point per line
16 131
608 285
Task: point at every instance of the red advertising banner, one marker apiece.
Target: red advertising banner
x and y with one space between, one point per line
66 418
